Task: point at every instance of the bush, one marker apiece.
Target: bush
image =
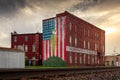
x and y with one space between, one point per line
54 62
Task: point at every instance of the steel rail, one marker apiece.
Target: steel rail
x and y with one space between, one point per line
46 73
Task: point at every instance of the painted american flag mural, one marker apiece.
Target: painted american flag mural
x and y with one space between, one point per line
54 37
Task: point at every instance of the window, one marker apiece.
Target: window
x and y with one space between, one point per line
112 63
70 59
15 38
33 48
92 59
70 40
84 44
88 59
26 38
84 59
107 63
97 36
33 58
75 57
80 59
76 42
95 59
96 46
20 47
26 48
88 45
103 48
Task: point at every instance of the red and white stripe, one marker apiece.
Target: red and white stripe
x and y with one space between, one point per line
61 37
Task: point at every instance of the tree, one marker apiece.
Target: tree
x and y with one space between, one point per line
54 62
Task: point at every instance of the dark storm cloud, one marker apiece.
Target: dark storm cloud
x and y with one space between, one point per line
48 5
45 3
84 5
11 6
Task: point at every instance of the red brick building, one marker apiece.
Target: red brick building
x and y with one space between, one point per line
31 44
74 40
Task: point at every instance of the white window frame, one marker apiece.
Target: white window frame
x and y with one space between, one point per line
26 48
70 40
80 59
88 59
70 59
103 48
84 44
15 38
33 48
95 46
84 59
75 58
75 41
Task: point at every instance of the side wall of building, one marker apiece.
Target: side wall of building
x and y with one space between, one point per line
82 35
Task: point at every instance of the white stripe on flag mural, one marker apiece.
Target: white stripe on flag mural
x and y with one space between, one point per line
58 37
44 49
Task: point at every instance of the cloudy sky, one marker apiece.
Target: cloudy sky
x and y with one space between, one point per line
25 16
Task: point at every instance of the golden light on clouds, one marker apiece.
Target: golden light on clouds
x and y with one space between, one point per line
110 30
27 11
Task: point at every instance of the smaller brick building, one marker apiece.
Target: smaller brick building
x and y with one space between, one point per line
31 44
112 60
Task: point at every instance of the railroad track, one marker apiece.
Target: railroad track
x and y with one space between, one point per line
52 73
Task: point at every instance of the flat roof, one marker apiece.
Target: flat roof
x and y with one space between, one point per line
25 33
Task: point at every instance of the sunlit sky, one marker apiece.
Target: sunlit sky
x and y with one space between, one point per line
25 16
